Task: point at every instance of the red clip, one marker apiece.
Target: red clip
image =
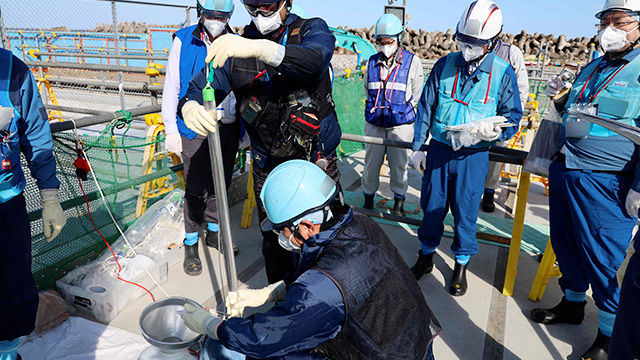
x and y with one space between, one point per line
6 164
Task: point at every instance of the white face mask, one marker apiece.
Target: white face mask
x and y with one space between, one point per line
268 24
471 52
612 40
389 50
288 244
214 27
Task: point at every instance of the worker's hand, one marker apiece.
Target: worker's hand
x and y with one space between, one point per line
200 320
558 83
174 143
623 267
230 45
632 203
197 118
487 131
245 142
238 300
53 218
419 160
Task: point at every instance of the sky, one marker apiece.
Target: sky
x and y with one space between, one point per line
573 18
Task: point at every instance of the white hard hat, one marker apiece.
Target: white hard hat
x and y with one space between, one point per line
632 7
482 20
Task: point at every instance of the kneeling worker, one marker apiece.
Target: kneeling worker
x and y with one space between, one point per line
351 296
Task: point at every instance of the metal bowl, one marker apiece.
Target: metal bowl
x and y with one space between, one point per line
162 326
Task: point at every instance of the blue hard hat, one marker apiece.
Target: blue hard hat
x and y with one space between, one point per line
298 10
215 8
293 189
259 2
388 25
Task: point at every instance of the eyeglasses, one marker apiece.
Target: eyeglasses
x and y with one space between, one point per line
616 25
216 15
471 40
264 10
385 42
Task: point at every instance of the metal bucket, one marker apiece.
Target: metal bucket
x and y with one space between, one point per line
162 326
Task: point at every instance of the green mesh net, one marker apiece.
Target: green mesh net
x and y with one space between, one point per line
350 97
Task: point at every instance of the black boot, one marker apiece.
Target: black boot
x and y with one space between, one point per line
192 265
368 202
398 207
212 242
600 348
487 202
566 312
458 285
424 265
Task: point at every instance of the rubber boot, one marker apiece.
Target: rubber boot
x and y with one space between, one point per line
424 265
600 348
458 285
368 202
566 312
487 202
212 242
192 265
398 207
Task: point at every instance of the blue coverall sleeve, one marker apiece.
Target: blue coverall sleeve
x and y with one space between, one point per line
313 313
33 128
427 105
509 104
310 60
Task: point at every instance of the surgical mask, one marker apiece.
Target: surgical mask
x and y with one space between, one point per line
612 39
214 27
268 24
389 50
471 52
288 244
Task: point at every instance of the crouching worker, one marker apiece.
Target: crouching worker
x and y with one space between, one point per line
352 296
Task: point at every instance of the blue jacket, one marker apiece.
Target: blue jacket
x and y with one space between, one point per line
307 62
312 314
29 129
508 100
620 99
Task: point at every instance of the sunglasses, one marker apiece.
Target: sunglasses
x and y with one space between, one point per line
264 10
215 15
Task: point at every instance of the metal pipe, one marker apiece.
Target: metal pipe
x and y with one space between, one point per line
74 110
3 34
107 84
96 67
101 119
116 44
101 56
147 3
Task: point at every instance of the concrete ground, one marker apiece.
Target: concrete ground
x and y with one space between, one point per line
483 324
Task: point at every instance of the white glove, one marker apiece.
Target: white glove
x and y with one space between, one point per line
558 83
174 143
197 118
238 300
488 132
200 320
245 142
230 45
623 267
419 160
632 203
53 218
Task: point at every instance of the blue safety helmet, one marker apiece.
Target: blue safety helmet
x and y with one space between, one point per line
294 189
388 26
222 9
259 2
298 10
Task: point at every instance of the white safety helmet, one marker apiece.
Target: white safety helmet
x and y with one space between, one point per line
631 7
481 22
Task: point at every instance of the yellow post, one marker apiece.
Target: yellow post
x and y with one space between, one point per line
516 234
546 271
249 203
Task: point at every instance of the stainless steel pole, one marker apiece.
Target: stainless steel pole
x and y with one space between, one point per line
116 42
3 34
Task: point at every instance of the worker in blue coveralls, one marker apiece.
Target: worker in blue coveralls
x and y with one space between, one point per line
393 80
352 296
625 338
24 127
594 183
478 90
186 58
279 72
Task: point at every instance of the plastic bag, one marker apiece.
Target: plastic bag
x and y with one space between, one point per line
52 311
467 135
544 146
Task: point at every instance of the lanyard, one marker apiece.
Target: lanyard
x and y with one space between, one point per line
383 84
593 97
455 86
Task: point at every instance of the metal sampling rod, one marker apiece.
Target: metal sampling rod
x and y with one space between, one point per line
208 95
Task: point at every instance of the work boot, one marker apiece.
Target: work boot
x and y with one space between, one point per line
600 348
566 312
192 265
458 285
487 202
212 242
424 265
368 202
398 207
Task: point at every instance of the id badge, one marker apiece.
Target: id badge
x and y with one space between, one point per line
576 127
6 116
